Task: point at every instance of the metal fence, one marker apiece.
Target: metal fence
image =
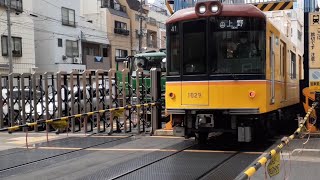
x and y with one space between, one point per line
28 98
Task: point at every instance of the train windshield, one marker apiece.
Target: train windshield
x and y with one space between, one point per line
194 47
148 62
238 45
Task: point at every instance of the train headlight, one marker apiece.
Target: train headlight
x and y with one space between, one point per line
202 9
214 8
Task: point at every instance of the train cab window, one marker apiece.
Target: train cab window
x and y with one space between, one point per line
173 61
194 47
240 43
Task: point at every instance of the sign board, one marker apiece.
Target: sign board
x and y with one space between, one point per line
274 165
314 79
314 40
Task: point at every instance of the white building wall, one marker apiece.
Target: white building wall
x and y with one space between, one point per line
48 28
22 26
91 10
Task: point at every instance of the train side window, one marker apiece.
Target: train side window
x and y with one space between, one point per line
301 72
293 69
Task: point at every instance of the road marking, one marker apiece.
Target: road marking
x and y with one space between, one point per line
145 150
22 140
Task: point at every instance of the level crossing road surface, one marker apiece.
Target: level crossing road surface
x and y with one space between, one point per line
128 157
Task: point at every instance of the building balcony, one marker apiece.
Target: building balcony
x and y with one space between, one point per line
14 4
152 22
113 5
121 31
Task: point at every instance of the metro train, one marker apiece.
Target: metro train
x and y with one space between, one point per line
229 69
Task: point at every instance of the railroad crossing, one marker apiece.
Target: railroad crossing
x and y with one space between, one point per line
107 125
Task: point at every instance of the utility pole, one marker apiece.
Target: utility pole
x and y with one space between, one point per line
9 36
140 30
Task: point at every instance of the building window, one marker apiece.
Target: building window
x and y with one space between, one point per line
120 53
293 72
68 17
14 4
72 48
299 35
16 45
120 25
59 42
105 52
120 28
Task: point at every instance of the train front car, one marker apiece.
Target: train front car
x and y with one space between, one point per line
225 70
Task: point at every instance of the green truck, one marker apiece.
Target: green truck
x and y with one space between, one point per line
146 61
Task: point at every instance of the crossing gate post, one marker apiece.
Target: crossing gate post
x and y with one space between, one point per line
125 84
156 96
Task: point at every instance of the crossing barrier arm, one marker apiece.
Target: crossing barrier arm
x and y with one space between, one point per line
284 141
38 122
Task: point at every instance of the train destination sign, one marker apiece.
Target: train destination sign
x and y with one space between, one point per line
231 23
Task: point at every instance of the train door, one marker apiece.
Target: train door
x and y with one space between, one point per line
194 82
283 70
272 68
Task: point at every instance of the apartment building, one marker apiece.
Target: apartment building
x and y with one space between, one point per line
22 37
64 41
114 19
121 19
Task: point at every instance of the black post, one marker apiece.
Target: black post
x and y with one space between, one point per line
156 97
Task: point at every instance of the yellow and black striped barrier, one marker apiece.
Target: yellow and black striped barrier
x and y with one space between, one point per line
275 6
284 141
57 120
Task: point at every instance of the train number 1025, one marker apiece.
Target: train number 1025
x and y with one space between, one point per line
194 95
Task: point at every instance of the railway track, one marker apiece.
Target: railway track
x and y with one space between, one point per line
181 160
189 161
17 161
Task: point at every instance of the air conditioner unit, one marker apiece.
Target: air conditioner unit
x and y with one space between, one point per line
76 60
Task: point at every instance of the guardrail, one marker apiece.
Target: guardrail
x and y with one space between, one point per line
284 141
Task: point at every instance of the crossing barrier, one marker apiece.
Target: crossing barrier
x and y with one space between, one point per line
67 118
40 100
